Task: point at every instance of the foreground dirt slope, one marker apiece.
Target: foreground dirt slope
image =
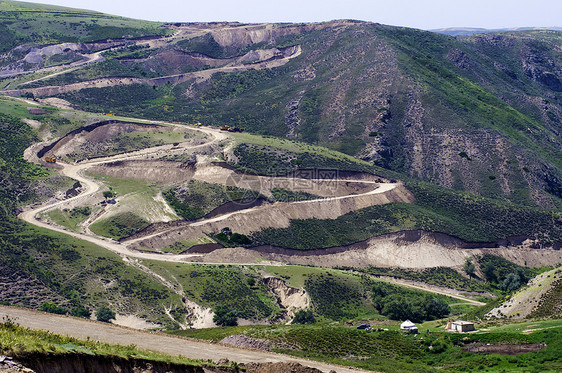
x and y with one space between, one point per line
81 328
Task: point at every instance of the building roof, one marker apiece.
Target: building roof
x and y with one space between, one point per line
460 322
407 324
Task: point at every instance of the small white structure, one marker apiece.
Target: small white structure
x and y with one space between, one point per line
460 326
409 327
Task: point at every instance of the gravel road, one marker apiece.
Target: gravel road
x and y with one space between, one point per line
158 342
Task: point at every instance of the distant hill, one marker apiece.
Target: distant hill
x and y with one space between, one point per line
458 31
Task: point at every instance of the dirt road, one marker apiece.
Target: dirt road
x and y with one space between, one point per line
159 342
75 171
453 293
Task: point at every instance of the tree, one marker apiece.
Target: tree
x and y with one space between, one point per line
303 317
53 308
225 316
435 308
81 311
489 271
469 267
108 194
105 314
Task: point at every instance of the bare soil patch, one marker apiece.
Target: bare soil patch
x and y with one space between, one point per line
504 349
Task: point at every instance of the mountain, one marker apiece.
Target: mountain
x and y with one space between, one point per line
478 113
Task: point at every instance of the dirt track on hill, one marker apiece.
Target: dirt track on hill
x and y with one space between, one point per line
199 76
244 221
159 342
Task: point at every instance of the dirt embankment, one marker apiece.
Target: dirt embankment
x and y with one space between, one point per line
290 298
278 215
504 348
408 249
153 171
83 363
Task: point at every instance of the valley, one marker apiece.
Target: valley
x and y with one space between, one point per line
277 194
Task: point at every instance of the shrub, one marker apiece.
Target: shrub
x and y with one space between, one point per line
224 316
304 317
53 308
104 314
400 304
469 268
81 311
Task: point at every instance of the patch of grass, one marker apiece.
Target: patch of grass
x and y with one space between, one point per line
70 219
122 186
119 226
184 245
199 198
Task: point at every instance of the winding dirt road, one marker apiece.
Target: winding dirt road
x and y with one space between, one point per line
153 341
76 171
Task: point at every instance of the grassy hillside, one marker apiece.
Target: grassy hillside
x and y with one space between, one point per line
391 351
40 266
22 22
480 114
468 217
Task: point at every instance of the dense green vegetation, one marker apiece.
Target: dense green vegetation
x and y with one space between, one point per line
270 161
104 314
340 296
504 274
232 239
224 316
227 286
400 304
337 297
304 317
119 226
